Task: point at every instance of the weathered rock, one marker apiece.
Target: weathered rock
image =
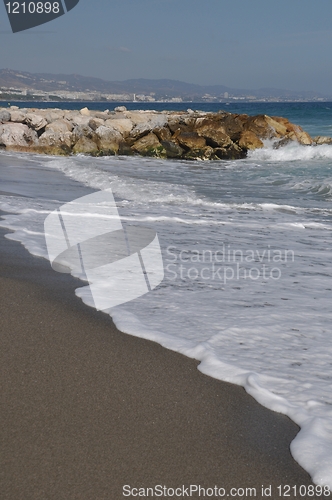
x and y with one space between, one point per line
120 109
149 145
260 126
14 135
249 140
189 120
279 127
213 132
185 134
288 129
304 138
125 149
206 153
17 116
5 116
102 115
86 146
57 141
296 133
173 150
83 131
280 119
145 122
209 154
233 152
35 121
163 133
179 122
70 114
122 125
53 115
108 140
94 123
209 122
233 124
322 139
60 126
282 142
85 112
191 140
78 119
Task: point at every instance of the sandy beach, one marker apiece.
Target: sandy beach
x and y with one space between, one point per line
88 409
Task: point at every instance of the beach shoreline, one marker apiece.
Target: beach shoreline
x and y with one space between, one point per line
88 409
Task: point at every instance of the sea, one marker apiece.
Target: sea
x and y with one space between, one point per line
247 252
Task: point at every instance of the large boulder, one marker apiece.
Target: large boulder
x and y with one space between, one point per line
80 131
233 124
149 145
206 153
296 133
60 126
145 123
122 125
249 140
85 112
56 141
17 135
35 121
108 140
77 119
102 115
125 149
282 142
261 127
180 122
53 115
288 131
5 116
213 132
17 116
163 133
173 150
120 109
86 146
191 140
233 152
94 123
322 139
280 127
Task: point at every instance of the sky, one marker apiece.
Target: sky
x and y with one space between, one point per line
247 44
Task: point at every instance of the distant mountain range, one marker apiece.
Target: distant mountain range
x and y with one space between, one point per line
160 89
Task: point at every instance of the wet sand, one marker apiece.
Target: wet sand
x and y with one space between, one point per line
87 409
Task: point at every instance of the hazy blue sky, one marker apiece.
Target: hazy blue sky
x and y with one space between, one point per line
238 43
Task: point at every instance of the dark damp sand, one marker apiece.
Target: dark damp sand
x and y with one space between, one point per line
87 409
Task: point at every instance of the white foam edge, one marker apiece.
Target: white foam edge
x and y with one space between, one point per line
311 448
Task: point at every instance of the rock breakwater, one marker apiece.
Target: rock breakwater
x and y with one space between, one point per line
168 134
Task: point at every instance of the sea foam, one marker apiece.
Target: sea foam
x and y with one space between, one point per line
267 333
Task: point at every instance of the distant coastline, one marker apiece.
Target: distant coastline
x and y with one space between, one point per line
24 86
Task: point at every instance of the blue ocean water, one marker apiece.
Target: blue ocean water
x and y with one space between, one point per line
247 250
